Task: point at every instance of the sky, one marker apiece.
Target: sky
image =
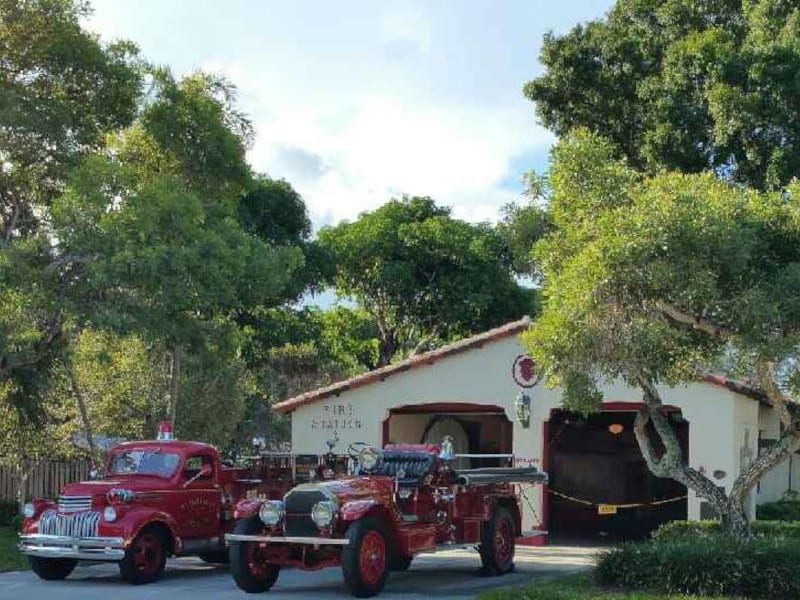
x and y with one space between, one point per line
355 102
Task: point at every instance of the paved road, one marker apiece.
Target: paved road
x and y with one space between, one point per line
450 575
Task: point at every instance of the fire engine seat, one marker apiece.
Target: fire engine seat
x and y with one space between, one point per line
413 465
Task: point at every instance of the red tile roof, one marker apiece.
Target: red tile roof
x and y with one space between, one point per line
739 387
421 360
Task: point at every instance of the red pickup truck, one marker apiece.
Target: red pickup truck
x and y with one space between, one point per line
155 498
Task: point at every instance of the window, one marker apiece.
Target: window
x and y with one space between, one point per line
194 464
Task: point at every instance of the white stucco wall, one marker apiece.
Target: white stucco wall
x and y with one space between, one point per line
719 420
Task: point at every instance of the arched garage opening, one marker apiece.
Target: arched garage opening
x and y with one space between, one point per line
599 482
475 428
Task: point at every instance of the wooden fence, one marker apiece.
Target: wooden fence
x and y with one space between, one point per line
45 477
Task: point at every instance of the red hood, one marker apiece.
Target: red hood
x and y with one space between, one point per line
99 487
353 488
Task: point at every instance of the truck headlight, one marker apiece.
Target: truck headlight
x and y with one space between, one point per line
109 514
322 513
271 512
368 459
28 511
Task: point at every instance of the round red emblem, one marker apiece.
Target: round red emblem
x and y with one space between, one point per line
524 371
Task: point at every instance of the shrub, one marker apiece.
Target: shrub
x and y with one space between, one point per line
708 564
782 510
9 513
676 530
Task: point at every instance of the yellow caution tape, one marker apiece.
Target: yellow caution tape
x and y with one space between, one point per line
607 506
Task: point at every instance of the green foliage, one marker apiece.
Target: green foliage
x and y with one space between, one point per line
423 275
683 86
782 510
9 511
625 249
687 530
61 90
709 565
574 587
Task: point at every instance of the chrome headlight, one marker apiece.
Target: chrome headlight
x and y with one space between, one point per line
28 511
368 459
271 512
109 514
322 513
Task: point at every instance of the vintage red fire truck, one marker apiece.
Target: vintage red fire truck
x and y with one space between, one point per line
155 498
403 500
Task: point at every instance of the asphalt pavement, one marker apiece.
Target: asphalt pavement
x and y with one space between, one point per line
449 575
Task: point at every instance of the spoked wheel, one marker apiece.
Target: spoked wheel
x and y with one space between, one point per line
145 558
497 543
365 561
250 569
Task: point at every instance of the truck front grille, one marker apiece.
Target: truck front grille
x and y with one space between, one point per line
298 505
71 504
82 524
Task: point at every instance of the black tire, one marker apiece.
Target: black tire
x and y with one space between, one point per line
367 536
218 557
498 535
146 557
401 563
250 576
52 569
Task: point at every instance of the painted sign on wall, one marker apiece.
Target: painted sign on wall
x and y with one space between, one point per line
337 416
524 371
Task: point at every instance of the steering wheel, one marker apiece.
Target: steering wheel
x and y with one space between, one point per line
354 449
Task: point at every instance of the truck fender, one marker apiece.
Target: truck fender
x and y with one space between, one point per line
355 509
247 507
163 519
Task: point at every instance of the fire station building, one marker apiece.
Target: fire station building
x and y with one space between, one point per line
485 392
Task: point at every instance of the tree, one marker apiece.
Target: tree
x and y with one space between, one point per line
686 86
150 234
423 275
659 280
61 91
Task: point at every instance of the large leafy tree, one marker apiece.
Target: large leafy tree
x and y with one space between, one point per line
61 91
687 86
422 274
659 280
151 231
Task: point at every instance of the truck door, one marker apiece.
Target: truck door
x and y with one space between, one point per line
201 500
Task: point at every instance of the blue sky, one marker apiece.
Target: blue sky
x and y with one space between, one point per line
355 102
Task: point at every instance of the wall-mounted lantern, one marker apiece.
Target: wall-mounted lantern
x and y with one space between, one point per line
522 406
616 428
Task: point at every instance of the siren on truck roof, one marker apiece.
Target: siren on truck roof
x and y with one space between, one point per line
165 431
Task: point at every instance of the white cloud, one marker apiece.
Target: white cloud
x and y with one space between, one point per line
369 147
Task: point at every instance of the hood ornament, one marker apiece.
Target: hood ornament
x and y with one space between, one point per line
446 452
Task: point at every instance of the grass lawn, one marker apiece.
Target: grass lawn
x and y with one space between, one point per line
573 587
10 558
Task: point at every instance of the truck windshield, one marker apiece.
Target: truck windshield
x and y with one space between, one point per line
143 462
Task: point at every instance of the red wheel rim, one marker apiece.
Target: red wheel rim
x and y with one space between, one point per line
255 560
372 558
147 554
503 543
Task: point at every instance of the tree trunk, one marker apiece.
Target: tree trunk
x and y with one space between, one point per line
387 347
82 411
174 384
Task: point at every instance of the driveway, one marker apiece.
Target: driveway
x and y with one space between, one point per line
445 575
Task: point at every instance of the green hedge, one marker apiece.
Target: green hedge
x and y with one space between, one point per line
9 513
706 565
782 510
676 530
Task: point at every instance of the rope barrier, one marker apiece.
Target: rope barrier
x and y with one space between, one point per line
615 506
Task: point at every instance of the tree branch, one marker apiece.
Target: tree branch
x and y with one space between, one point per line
51 334
697 322
765 370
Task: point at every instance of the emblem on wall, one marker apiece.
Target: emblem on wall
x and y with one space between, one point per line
524 371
